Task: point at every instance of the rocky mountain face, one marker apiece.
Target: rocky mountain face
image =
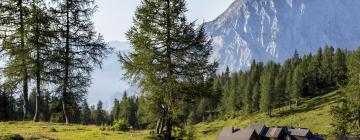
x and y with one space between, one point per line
272 29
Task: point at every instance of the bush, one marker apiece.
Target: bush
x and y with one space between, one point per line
120 125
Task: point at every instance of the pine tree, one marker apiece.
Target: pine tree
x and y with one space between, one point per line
340 68
256 97
45 108
78 50
39 39
341 118
297 84
100 114
280 82
327 66
13 22
115 112
170 59
267 88
85 113
124 106
354 86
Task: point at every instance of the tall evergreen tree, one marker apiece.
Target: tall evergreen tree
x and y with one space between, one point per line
13 15
115 112
267 88
297 84
340 68
100 114
170 59
85 113
354 86
39 40
78 50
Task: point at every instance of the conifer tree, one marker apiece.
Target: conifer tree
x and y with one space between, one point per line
40 36
79 49
100 114
297 84
170 59
340 68
85 113
267 88
354 86
115 112
13 15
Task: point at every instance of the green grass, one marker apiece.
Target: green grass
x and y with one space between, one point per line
312 113
41 130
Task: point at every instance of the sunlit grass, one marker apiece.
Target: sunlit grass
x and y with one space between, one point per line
32 130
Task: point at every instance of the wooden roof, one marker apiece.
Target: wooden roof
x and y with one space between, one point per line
300 132
237 134
258 127
274 132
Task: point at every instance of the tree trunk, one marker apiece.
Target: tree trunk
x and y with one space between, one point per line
168 129
66 63
158 126
38 67
38 88
24 67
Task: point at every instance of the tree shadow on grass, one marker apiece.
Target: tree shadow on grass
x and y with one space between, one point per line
312 104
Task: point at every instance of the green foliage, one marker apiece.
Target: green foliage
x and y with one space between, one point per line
341 115
85 113
100 114
170 60
347 114
267 88
120 125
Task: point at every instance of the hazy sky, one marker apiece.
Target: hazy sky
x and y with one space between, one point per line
113 19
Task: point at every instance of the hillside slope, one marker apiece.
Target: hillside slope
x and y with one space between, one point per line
312 113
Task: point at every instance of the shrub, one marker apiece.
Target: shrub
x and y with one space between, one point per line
120 125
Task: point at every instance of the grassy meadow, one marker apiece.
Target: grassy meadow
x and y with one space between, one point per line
32 130
311 113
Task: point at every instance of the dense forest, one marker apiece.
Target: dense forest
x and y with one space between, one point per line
51 49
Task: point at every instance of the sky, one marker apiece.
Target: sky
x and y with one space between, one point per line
114 17
112 20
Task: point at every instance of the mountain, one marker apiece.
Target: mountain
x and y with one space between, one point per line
272 29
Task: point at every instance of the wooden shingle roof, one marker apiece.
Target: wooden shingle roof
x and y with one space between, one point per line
274 132
237 134
259 128
300 132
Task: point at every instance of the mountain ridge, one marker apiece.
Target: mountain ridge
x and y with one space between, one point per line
267 30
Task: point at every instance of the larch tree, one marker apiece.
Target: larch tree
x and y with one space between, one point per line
78 51
40 36
170 59
267 88
14 46
354 86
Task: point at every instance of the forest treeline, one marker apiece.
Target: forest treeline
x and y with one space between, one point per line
263 87
50 49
